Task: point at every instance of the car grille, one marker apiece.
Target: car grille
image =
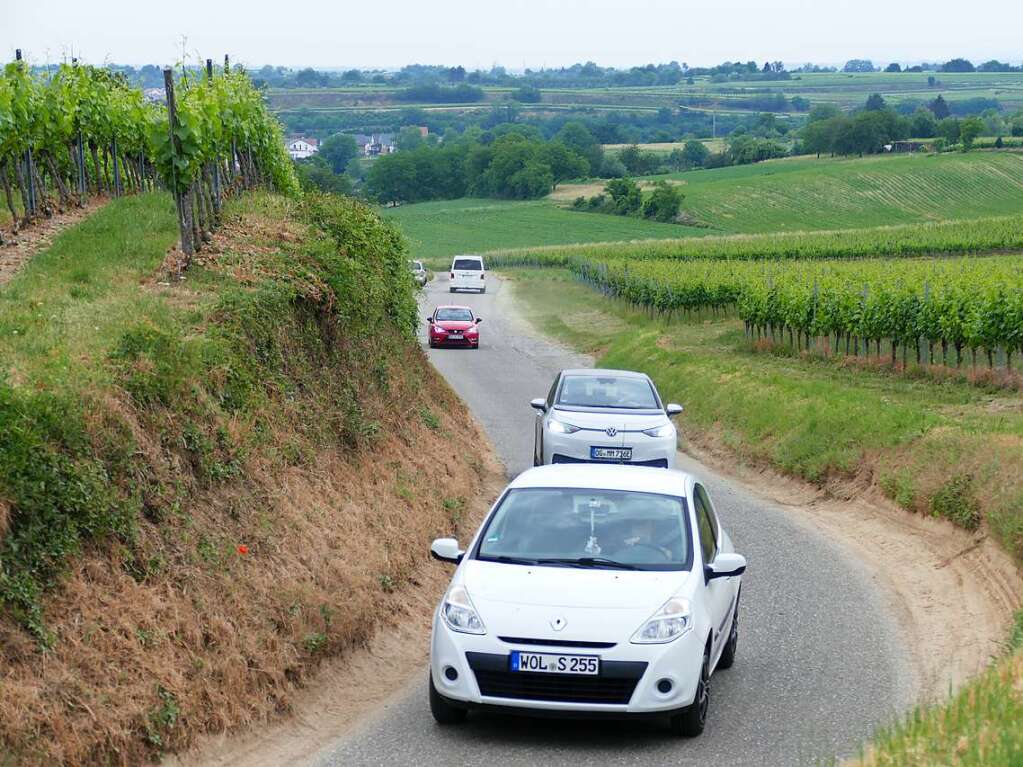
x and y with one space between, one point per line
558 643
657 463
614 685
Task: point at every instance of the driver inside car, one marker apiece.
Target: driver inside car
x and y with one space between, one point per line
642 535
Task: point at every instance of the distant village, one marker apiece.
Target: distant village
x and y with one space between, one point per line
372 145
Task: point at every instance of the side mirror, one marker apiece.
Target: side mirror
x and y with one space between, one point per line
479 320
539 404
725 566
672 409
429 319
446 550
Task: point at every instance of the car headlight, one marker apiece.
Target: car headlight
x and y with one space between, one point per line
439 329
459 614
667 624
559 427
664 430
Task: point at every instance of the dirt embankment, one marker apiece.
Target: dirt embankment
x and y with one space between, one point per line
289 456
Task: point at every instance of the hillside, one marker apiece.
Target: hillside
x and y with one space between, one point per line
207 487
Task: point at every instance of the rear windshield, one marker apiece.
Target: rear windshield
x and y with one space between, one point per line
608 391
454 315
468 264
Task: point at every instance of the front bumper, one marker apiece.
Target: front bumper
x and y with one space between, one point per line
575 448
448 341
630 675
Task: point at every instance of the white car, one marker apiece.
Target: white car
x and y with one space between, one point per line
604 416
589 591
468 273
419 273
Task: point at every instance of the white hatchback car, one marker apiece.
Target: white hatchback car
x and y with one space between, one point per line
604 416
589 591
468 273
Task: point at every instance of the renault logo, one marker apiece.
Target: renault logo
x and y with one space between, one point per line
558 624
610 431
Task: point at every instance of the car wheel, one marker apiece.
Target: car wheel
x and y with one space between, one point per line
482 291
690 721
728 654
443 712
451 290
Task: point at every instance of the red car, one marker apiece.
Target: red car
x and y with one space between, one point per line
454 326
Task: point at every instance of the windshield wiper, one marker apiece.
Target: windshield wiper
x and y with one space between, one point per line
589 562
509 560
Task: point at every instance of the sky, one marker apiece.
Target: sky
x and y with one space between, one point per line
512 33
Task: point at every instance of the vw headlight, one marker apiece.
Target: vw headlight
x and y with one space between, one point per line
667 624
459 614
664 430
559 427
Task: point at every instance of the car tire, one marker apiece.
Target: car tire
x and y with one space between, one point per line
482 291
443 712
728 654
690 722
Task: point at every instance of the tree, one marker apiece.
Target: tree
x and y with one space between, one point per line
819 137
923 124
408 138
315 174
625 195
528 94
969 130
875 102
858 65
564 163
578 137
823 112
800 103
939 107
958 65
949 129
893 67
695 154
664 202
310 78
392 179
338 150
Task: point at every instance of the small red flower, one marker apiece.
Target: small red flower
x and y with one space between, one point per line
243 549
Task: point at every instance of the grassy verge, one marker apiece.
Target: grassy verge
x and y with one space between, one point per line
206 488
948 448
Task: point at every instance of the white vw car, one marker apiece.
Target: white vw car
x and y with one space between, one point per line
610 416
589 591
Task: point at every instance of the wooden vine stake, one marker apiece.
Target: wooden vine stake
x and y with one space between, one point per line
182 199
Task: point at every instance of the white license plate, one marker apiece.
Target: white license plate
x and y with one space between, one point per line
543 663
612 453
455 336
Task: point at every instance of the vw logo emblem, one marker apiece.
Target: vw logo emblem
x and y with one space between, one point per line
610 431
558 624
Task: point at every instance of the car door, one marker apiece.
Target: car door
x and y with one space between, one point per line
540 423
720 591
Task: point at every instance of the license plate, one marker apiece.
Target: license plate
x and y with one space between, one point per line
542 663
455 336
612 453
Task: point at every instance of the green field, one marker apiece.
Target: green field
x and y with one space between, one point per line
440 229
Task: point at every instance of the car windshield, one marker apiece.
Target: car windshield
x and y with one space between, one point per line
468 264
454 315
614 529
608 391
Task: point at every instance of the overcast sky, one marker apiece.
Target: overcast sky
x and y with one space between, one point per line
513 33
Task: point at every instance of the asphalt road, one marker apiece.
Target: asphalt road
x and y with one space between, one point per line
820 660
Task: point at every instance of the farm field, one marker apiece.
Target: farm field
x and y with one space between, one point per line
802 193
445 228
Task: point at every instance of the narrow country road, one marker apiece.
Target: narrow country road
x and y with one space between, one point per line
820 660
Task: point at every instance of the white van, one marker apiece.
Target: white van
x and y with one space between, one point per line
468 273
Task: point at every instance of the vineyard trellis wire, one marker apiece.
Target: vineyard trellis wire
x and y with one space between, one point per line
79 131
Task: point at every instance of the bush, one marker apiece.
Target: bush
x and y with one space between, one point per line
955 501
664 203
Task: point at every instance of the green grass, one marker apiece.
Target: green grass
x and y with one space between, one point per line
806 193
440 229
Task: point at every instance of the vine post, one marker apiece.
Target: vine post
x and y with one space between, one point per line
183 201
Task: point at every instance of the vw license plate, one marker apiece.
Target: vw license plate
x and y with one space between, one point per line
612 453
542 663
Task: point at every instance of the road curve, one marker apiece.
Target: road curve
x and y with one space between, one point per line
820 659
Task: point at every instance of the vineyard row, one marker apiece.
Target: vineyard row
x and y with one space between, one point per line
82 131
